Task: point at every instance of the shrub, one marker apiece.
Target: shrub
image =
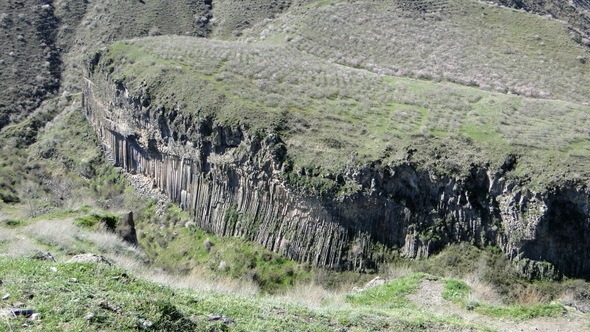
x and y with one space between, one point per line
96 220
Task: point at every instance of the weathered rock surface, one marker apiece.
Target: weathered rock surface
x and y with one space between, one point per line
89 258
230 181
126 229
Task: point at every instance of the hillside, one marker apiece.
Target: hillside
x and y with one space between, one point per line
344 130
29 63
284 143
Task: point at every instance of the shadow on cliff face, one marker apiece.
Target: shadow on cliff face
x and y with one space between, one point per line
563 237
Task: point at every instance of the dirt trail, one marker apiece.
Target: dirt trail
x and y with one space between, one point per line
429 297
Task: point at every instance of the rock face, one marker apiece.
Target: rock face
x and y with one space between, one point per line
230 181
126 229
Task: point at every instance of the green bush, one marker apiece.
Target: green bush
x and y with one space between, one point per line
12 222
94 220
8 197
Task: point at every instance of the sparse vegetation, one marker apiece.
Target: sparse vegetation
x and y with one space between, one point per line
176 248
457 292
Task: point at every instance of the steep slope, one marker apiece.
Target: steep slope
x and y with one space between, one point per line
230 18
29 61
95 24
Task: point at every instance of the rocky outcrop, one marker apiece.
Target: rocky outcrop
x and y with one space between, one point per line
125 229
232 182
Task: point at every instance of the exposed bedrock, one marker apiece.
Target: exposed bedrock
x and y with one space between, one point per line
231 181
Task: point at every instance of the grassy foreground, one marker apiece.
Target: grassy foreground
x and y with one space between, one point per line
83 296
132 295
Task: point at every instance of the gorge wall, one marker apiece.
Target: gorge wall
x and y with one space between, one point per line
232 183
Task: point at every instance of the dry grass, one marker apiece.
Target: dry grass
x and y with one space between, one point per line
63 238
198 279
398 270
59 234
529 295
481 291
315 296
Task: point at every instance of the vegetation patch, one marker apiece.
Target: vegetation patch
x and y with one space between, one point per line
455 290
90 296
174 244
522 312
458 291
94 220
390 295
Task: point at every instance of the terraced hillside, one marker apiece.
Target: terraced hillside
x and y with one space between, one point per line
465 42
575 12
327 113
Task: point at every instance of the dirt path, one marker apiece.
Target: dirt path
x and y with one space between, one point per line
429 297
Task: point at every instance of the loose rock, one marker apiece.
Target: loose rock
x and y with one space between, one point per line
223 319
43 256
89 258
22 312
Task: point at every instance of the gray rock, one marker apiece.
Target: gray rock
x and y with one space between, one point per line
43 256
126 229
89 258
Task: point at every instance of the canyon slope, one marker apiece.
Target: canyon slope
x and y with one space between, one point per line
342 134
347 149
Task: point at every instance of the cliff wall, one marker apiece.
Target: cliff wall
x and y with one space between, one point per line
232 181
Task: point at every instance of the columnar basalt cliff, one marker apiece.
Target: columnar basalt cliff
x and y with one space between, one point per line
232 181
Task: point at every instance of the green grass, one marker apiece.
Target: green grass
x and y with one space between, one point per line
57 214
455 290
81 297
522 312
93 220
390 295
180 249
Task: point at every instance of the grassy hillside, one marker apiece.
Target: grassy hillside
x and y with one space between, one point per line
333 117
82 296
443 84
466 41
575 12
